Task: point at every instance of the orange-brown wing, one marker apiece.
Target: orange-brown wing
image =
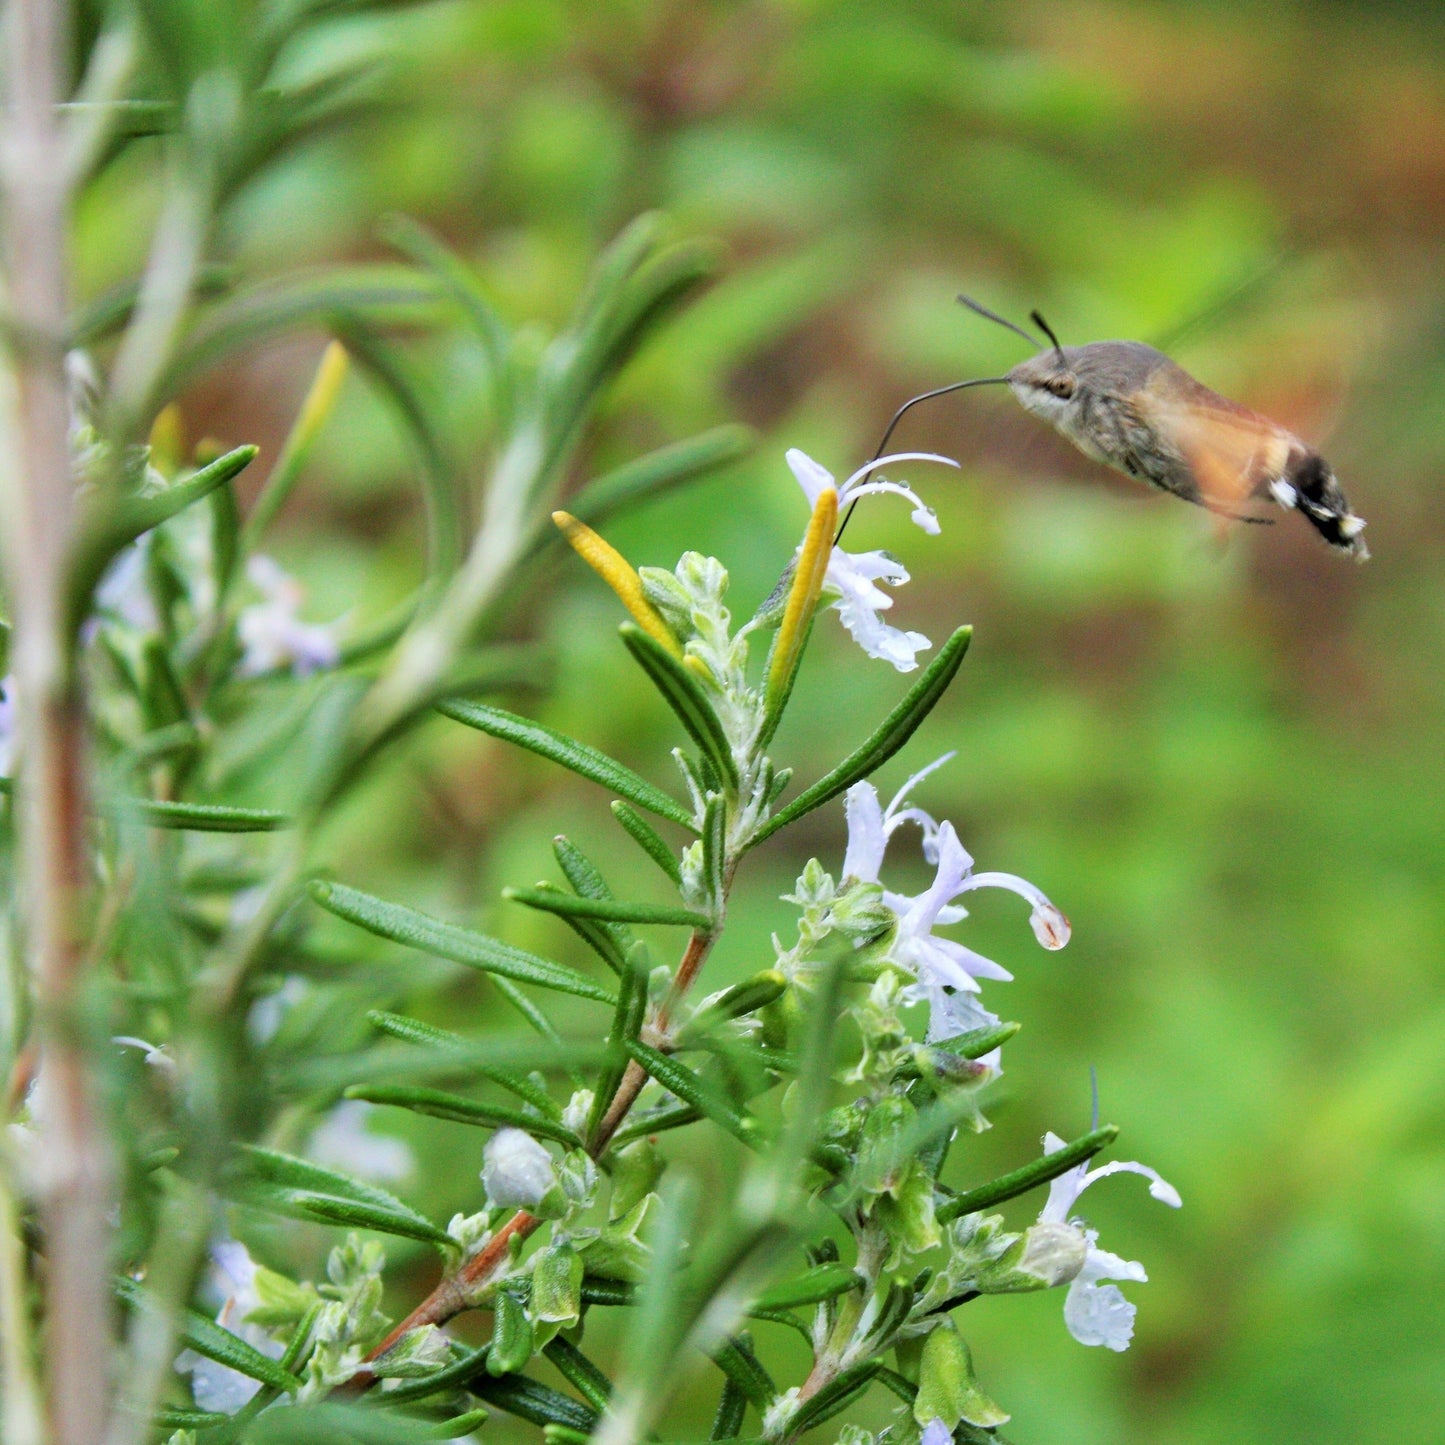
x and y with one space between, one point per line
1232 452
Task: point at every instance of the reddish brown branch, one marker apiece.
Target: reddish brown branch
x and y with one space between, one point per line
455 1293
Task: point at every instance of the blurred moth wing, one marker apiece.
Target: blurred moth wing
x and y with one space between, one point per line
1230 454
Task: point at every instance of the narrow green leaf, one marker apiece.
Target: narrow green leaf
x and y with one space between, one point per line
203 817
528 1400
593 932
1029 1176
172 1419
741 1366
684 695
559 748
579 1372
659 471
740 1000
834 1397
206 1337
390 291
824 1282
727 1424
447 1378
446 940
905 1389
648 838
887 738
414 1031
693 1089
588 882
110 527
460 1110
656 1121
978 1042
467 291
607 1292
387 368
608 910
714 849
288 1185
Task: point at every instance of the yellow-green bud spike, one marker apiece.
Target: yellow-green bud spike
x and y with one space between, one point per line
315 410
812 567
620 575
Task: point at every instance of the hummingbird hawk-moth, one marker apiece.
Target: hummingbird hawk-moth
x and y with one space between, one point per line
1130 407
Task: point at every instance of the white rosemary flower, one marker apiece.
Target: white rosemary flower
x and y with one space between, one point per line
516 1170
946 971
233 1277
853 577
342 1141
272 635
1095 1313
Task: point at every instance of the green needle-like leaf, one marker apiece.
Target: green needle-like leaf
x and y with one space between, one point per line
684 695
693 1089
441 1105
203 817
890 735
570 753
648 839
296 1187
414 1031
606 909
107 529
207 1338
657 472
1030 1176
446 940
741 1366
834 1397
579 1372
528 1400
448 1378
627 1019
824 1282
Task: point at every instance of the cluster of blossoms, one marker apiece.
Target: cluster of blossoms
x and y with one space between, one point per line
907 1225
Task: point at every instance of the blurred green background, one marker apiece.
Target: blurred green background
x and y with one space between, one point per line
1221 756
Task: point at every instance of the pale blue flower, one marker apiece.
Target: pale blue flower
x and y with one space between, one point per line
947 972
1096 1313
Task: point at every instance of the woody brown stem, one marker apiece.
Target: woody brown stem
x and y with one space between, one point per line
455 1292
39 528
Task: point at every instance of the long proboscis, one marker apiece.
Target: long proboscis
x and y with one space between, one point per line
903 411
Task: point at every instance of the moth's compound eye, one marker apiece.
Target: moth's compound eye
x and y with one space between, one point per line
1061 386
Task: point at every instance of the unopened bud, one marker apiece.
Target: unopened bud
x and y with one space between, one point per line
516 1170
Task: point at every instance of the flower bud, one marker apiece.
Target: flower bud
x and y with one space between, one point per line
516 1170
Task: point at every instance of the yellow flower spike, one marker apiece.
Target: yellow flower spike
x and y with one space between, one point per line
808 575
321 399
620 575
315 410
168 440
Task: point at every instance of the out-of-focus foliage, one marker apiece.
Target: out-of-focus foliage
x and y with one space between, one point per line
1222 758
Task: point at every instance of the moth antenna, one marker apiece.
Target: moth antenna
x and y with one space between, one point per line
982 310
1049 332
898 417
